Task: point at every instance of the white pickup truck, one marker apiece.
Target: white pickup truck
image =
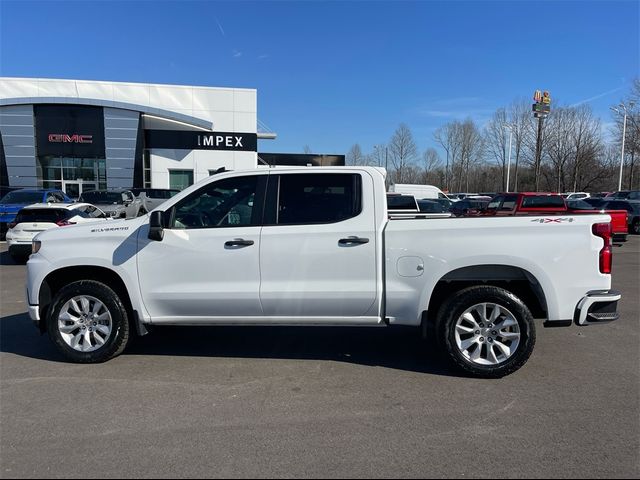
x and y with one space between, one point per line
316 246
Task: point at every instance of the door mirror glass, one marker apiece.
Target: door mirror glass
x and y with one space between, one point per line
156 226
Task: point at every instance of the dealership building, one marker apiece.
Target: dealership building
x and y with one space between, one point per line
78 135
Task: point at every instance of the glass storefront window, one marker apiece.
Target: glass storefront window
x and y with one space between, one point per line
54 171
180 179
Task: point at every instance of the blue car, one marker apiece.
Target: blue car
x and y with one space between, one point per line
13 201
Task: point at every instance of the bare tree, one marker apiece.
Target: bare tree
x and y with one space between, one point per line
471 149
306 149
402 152
447 137
559 148
520 118
496 142
355 156
431 161
632 134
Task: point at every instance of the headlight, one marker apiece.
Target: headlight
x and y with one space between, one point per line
35 246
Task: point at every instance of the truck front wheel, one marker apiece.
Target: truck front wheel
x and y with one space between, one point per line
88 323
487 331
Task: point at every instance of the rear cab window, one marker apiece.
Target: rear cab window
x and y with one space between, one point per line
555 202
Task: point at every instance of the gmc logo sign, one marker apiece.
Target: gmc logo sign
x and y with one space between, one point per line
64 138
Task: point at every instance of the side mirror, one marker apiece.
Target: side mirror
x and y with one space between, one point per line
156 227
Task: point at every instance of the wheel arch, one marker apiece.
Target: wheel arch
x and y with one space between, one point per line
61 277
516 280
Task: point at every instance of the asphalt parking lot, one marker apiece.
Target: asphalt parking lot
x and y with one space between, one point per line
319 402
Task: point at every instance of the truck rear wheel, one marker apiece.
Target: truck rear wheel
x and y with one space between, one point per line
88 323
487 331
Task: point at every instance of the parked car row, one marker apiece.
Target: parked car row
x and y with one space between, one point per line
624 211
26 212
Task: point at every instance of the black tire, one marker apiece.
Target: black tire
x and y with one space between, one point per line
120 330
458 303
635 226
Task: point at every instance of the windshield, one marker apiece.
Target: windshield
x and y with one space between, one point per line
22 197
101 197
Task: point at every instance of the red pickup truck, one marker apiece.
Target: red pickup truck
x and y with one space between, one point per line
532 203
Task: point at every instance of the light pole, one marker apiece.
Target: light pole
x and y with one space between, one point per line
510 127
624 134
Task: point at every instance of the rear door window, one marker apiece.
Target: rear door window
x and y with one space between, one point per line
316 198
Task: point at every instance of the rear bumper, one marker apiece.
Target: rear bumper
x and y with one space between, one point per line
600 306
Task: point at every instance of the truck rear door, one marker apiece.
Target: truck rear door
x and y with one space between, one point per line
318 246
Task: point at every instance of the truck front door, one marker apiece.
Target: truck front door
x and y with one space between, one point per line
206 268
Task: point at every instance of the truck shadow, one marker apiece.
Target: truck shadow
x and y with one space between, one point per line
5 259
399 349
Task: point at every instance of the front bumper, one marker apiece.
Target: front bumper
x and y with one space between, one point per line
599 306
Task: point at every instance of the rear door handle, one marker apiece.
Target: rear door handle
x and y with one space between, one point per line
353 241
238 242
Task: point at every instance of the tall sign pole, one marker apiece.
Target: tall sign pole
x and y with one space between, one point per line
541 110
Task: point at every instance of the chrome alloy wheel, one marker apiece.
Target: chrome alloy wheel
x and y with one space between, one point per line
487 334
85 323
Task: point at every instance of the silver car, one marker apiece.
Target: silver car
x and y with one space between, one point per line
152 198
115 203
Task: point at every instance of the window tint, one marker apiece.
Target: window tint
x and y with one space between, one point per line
22 197
401 202
619 206
101 197
479 204
155 192
509 203
227 203
318 198
543 201
579 205
427 206
495 203
44 215
88 211
595 202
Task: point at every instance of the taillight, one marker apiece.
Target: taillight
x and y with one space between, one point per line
12 224
64 223
603 230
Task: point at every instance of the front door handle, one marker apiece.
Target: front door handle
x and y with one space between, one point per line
353 241
238 242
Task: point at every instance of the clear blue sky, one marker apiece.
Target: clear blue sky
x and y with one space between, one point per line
332 74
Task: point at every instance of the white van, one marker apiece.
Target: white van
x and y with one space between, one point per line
418 191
